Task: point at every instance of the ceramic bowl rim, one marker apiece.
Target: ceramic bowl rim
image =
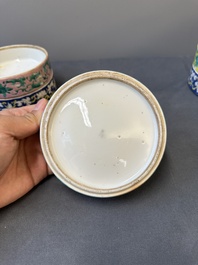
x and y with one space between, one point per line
30 46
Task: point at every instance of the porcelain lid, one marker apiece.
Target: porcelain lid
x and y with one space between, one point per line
103 133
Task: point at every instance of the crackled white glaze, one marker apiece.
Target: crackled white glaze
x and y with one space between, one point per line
103 134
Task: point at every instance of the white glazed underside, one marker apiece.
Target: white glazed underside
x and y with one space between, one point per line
101 135
16 60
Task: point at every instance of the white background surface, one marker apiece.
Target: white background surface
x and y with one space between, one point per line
90 29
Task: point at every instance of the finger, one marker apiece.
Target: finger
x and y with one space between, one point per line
23 126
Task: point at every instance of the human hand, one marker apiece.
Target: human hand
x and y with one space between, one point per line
22 165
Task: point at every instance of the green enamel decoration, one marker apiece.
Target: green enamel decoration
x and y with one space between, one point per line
34 76
195 63
4 90
17 80
36 85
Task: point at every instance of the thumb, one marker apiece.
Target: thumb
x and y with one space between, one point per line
26 125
